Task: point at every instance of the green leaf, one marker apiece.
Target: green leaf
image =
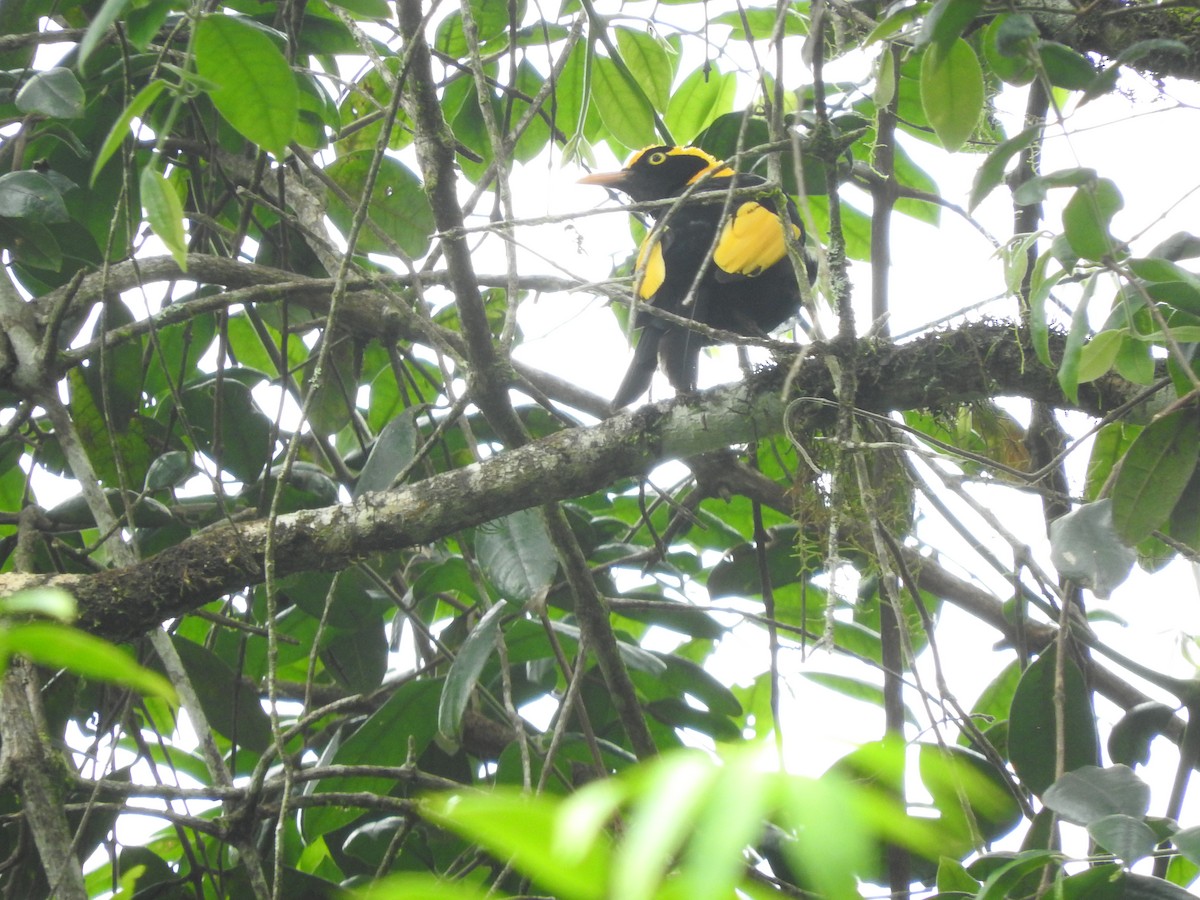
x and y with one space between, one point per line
991 173
97 30
702 98
634 656
1035 190
517 556
143 22
255 91
1130 739
1068 368
136 109
895 22
164 212
330 400
1154 473
671 791
1184 523
952 93
855 688
1007 46
1152 46
391 454
52 603
1041 284
31 195
536 136
421 886
528 833
168 470
1003 879
358 659
762 22
365 9
570 95
945 23
649 63
952 877
398 205
621 104
1032 733
464 673
856 226
1087 216
1085 547
910 175
59 646
55 93
1187 841
1090 794
1065 67
729 819
1134 361
969 792
1126 837
1097 356
491 21
228 426
232 706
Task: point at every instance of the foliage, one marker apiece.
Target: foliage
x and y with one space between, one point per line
434 632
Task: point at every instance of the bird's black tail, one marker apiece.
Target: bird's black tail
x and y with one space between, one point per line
641 371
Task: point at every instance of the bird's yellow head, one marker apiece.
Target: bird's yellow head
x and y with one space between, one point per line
658 172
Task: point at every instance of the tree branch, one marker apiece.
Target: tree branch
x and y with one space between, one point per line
950 368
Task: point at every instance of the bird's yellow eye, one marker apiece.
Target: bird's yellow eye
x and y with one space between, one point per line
657 158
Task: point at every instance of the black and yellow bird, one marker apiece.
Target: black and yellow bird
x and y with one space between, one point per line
723 264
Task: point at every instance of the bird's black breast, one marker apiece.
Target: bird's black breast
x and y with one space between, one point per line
748 303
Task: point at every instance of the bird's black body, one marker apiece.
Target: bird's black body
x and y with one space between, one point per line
733 252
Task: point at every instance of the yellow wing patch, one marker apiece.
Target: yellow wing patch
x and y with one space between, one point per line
650 271
751 241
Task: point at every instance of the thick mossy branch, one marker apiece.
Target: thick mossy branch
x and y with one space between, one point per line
941 370
1110 27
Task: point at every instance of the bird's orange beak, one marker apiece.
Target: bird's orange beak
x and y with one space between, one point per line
605 179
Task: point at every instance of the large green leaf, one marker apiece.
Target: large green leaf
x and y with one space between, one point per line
57 646
232 706
392 452
517 555
164 212
31 195
254 88
1085 547
358 659
1031 723
945 23
650 63
1155 471
952 93
135 110
55 93
530 832
398 205
702 98
228 426
622 104
991 173
473 654
1086 218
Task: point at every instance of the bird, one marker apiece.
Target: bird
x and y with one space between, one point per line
734 253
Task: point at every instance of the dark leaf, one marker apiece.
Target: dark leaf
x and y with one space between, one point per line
1031 723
